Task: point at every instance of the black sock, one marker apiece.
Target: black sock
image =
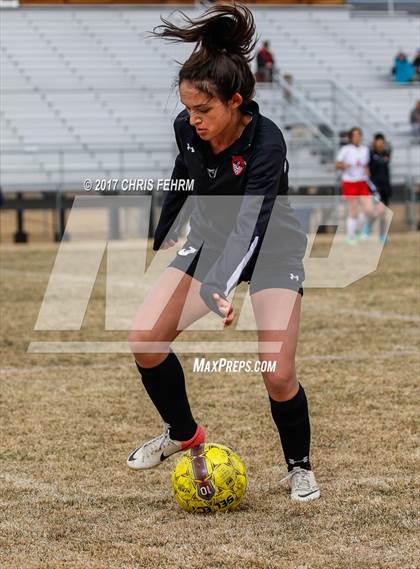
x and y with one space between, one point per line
165 385
292 420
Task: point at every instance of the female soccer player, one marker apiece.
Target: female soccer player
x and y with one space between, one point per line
231 152
353 160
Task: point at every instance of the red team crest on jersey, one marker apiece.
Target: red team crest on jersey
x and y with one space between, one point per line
238 164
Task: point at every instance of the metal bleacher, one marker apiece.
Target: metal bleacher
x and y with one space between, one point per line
341 62
76 102
86 94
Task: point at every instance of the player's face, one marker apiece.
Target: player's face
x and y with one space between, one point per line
379 144
356 138
208 115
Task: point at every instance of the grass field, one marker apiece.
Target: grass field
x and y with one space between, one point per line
68 422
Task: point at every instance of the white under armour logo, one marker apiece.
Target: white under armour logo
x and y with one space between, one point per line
294 277
190 148
184 252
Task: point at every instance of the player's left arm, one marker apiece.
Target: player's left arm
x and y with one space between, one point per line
264 173
165 233
367 162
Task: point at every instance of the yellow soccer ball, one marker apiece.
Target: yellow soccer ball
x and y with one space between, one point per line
209 478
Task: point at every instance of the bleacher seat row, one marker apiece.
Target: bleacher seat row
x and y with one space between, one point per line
85 92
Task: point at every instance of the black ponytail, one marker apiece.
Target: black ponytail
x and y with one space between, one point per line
219 64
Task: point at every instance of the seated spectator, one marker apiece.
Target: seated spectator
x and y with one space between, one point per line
265 64
403 70
415 120
416 65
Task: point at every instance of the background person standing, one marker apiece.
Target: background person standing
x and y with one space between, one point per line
380 157
265 64
415 120
353 161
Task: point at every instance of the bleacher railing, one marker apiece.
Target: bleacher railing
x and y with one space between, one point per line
343 106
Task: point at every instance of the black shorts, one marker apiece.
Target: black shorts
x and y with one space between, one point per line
270 273
385 193
384 190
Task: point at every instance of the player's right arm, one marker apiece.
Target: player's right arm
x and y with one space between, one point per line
341 163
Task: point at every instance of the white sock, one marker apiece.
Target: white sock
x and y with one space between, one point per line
351 226
361 220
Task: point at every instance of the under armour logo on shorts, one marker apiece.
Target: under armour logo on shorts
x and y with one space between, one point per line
294 277
185 252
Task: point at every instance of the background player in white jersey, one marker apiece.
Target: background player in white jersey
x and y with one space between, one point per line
353 160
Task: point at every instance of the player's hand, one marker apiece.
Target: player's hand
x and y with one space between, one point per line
225 308
168 244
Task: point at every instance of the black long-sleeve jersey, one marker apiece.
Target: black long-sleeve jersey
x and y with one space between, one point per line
255 167
379 168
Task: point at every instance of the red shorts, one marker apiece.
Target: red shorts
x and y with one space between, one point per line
352 189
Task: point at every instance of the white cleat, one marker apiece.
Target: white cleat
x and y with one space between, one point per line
302 484
152 453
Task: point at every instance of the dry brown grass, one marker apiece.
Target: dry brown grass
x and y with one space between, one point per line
68 422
